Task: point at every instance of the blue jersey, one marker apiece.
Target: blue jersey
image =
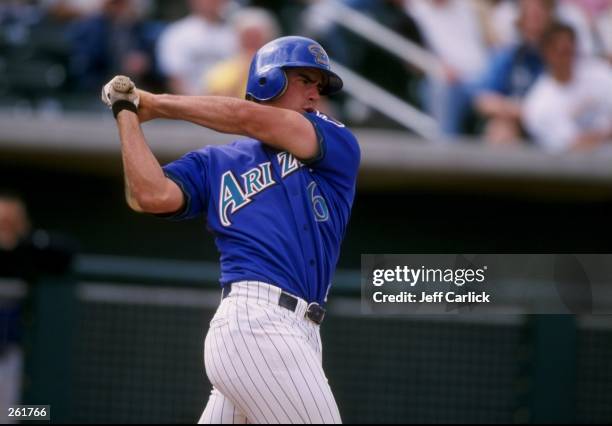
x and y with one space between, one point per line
274 218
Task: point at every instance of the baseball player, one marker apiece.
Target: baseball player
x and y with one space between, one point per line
278 202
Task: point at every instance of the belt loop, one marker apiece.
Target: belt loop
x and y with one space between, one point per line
287 301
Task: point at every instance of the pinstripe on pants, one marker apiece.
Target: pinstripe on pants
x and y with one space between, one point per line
264 362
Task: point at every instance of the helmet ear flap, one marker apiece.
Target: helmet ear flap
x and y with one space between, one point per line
278 82
267 85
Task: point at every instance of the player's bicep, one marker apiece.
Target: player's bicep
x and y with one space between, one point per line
285 130
300 138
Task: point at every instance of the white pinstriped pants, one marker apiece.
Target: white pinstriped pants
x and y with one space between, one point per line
264 362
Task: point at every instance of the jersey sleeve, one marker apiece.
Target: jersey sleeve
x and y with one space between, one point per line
339 154
190 174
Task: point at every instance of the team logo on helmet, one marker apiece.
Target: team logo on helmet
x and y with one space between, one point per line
319 54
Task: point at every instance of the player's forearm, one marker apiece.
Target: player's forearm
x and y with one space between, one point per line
222 114
144 178
279 128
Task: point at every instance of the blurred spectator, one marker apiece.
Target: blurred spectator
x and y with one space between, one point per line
452 32
503 19
33 52
16 19
14 222
67 10
14 227
570 107
488 11
572 13
591 8
18 8
368 59
603 26
117 40
576 13
287 12
595 17
254 28
191 46
511 72
316 18
25 254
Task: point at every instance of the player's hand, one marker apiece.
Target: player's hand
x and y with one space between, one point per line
120 88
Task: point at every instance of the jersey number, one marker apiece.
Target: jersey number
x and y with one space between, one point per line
319 206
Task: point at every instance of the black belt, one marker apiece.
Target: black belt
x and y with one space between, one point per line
314 311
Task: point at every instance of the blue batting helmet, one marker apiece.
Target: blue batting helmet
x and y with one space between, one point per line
267 78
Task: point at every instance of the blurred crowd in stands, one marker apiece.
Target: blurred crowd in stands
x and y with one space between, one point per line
511 70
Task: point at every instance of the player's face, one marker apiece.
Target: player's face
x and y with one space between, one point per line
303 90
